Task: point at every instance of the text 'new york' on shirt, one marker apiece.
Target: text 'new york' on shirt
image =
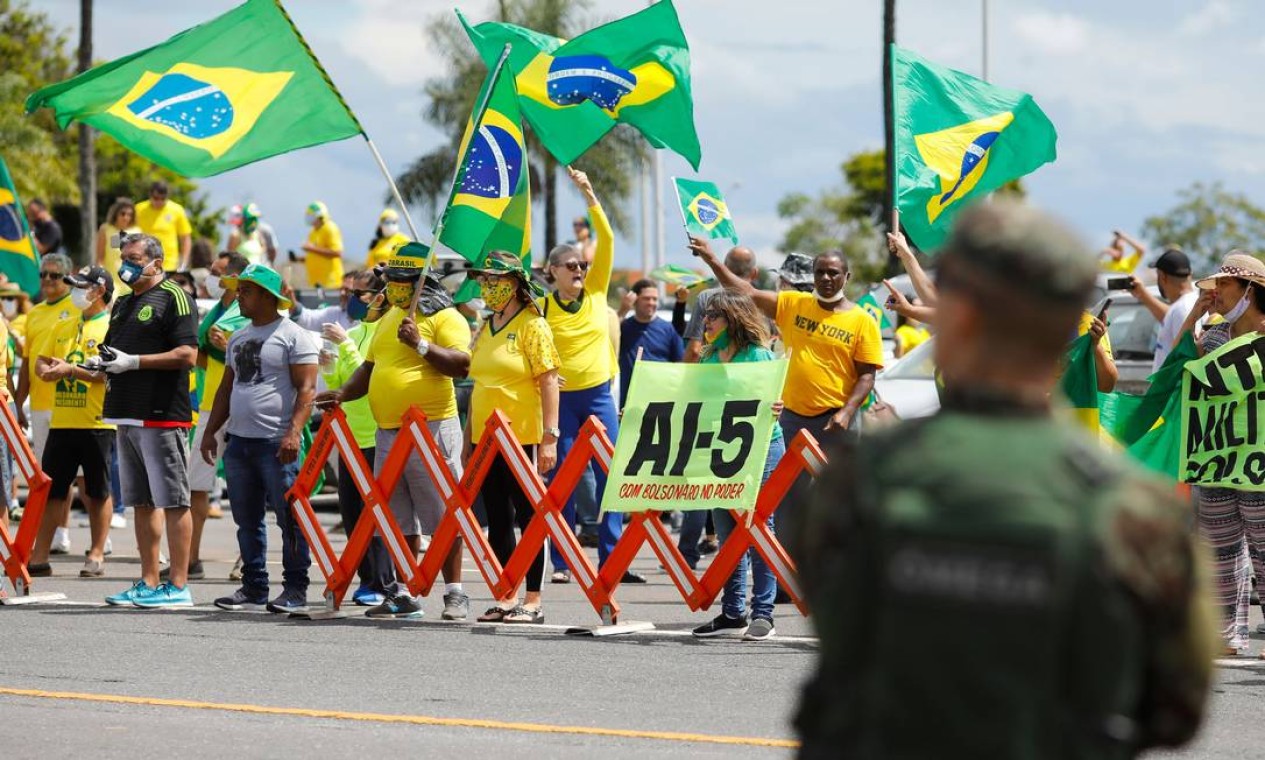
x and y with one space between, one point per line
154 322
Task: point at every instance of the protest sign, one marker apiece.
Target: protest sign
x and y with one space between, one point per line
694 436
1223 395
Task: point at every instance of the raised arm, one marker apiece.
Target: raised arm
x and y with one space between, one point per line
766 300
923 286
599 279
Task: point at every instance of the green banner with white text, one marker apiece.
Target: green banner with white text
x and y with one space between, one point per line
1223 416
694 436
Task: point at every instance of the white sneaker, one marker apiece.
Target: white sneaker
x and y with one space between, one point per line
109 547
118 521
61 542
425 542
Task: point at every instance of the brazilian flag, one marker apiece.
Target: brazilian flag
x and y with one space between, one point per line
1080 382
679 276
705 212
234 90
489 207
18 260
870 305
634 70
957 138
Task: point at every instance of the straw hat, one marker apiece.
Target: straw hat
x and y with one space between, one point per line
1239 265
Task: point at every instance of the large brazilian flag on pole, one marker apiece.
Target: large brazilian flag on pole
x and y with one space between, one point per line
234 90
634 70
17 251
958 138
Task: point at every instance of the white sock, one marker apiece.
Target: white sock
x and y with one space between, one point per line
61 534
452 587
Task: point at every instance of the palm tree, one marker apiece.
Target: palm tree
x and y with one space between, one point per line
612 163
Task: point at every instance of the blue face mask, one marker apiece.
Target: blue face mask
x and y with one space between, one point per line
130 272
357 309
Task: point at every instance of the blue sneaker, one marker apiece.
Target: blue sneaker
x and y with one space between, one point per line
166 595
367 597
128 598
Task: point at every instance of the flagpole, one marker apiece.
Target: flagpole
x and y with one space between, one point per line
395 191
439 224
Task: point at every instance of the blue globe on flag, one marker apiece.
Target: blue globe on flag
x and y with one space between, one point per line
10 223
194 108
495 165
577 78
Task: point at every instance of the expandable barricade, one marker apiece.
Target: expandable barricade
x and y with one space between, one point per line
15 550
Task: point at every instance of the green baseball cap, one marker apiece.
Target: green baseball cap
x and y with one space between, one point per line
262 275
407 261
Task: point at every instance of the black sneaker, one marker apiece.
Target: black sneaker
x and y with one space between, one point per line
631 577
289 601
397 606
708 546
39 570
722 625
239 600
196 573
456 606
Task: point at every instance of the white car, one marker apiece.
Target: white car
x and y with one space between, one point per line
909 384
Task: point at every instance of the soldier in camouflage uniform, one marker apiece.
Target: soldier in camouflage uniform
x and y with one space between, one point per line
1063 587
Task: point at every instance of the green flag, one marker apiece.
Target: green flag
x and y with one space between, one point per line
679 276
1165 383
870 305
18 259
236 89
635 70
1080 382
957 138
489 207
705 212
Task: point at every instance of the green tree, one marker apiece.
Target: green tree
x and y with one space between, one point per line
612 164
1207 222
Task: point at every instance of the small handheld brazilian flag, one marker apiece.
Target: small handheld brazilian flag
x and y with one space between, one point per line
957 138
234 90
705 212
17 252
634 70
870 305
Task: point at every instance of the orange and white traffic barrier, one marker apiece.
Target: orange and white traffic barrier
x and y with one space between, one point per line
15 550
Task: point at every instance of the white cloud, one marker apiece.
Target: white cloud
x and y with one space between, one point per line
390 38
1214 15
1056 34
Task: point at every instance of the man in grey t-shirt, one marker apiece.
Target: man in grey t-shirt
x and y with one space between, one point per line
269 383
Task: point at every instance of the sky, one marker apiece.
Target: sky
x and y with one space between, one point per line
1148 98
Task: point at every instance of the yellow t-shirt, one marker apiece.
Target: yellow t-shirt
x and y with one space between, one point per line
44 338
825 347
581 328
910 337
382 250
402 379
113 256
77 404
1087 319
167 224
6 361
505 366
322 270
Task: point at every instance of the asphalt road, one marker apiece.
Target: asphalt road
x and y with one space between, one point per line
81 679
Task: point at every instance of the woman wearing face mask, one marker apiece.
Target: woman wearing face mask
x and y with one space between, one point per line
735 332
120 220
578 315
515 369
251 243
1230 519
386 238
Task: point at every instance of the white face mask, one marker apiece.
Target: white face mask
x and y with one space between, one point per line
389 229
311 219
9 308
80 298
836 298
1240 308
213 287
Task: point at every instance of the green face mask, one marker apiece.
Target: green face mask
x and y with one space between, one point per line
718 340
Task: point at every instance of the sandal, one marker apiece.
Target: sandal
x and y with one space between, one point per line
494 615
521 614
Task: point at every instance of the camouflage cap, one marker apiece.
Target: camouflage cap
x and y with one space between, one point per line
797 269
1023 249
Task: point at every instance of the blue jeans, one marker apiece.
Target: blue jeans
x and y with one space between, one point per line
693 523
116 491
256 479
733 601
574 410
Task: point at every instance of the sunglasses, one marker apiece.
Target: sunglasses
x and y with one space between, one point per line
576 265
51 276
711 315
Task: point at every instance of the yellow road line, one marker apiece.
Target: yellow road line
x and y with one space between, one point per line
416 720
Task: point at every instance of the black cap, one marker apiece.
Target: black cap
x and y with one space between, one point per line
89 276
1173 262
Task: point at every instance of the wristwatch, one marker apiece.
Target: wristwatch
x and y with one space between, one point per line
423 346
555 432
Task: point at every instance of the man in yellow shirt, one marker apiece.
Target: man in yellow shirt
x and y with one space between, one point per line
411 361
166 220
324 249
387 239
42 337
78 436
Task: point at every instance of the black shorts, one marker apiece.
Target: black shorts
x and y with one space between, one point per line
68 449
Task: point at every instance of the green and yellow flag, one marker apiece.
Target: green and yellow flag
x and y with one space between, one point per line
1080 382
18 259
234 90
957 138
635 70
679 276
870 305
705 212
489 207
